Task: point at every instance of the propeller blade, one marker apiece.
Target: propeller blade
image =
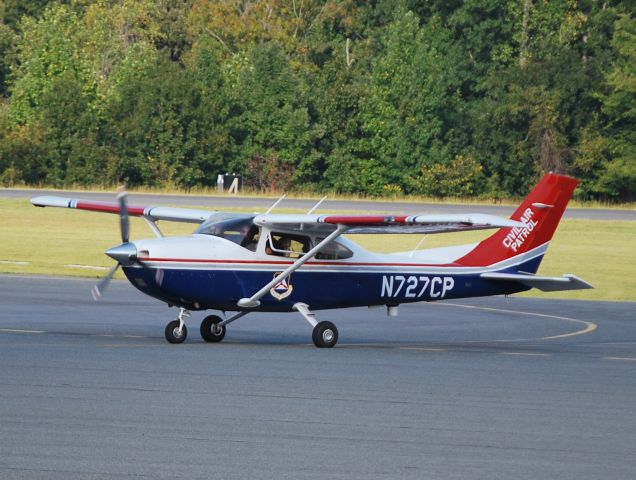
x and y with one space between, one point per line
99 289
124 223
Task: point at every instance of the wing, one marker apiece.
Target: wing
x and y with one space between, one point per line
386 223
151 213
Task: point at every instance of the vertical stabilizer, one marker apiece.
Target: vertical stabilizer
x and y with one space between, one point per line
541 210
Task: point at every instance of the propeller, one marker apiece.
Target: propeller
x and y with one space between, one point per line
124 223
125 254
98 289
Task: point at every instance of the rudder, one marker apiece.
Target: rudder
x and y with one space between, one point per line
541 210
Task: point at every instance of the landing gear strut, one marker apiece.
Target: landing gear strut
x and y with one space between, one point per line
176 331
324 334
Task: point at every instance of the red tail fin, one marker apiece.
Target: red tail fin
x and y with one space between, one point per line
541 210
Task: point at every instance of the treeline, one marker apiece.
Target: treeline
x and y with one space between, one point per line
437 97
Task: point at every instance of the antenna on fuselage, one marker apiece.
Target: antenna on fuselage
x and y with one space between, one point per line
317 205
417 246
275 203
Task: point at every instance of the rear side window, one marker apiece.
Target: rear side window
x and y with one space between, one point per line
333 251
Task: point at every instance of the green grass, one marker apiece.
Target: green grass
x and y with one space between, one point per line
50 239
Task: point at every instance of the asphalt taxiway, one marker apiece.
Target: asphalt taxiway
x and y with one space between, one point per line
493 388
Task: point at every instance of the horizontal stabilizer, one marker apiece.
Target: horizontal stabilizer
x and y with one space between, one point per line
545 284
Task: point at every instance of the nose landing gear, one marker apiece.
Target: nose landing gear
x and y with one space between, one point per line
176 331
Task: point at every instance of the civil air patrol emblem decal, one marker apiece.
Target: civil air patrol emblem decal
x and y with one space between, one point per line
282 289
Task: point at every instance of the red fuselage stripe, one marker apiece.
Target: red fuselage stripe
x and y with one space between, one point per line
274 262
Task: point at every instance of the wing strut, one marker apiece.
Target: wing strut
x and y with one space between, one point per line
316 206
254 302
276 204
153 226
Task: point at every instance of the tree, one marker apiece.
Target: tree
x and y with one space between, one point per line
608 150
12 11
412 115
238 24
7 42
364 97
162 129
48 48
270 125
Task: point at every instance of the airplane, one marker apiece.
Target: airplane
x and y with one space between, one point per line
244 263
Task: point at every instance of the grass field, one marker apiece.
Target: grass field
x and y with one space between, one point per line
55 241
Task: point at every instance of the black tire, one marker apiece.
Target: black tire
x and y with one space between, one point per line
172 334
325 335
209 328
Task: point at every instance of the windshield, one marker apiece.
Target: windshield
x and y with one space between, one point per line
237 228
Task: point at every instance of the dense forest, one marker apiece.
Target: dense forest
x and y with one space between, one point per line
385 97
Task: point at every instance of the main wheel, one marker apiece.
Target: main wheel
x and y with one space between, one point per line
210 331
325 335
172 332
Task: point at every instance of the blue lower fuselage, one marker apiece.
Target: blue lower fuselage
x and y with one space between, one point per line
222 288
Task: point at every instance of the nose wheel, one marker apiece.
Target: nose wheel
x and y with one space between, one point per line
176 331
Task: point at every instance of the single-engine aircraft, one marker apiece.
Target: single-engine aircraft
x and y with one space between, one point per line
269 262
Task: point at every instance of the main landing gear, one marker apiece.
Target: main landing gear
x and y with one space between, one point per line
324 334
210 330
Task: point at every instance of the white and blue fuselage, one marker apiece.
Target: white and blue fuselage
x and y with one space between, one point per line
215 273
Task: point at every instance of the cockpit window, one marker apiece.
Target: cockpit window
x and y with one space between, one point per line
239 229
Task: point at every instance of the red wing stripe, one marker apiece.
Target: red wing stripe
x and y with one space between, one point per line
365 219
107 207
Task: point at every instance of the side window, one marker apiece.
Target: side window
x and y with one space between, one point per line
333 251
287 245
